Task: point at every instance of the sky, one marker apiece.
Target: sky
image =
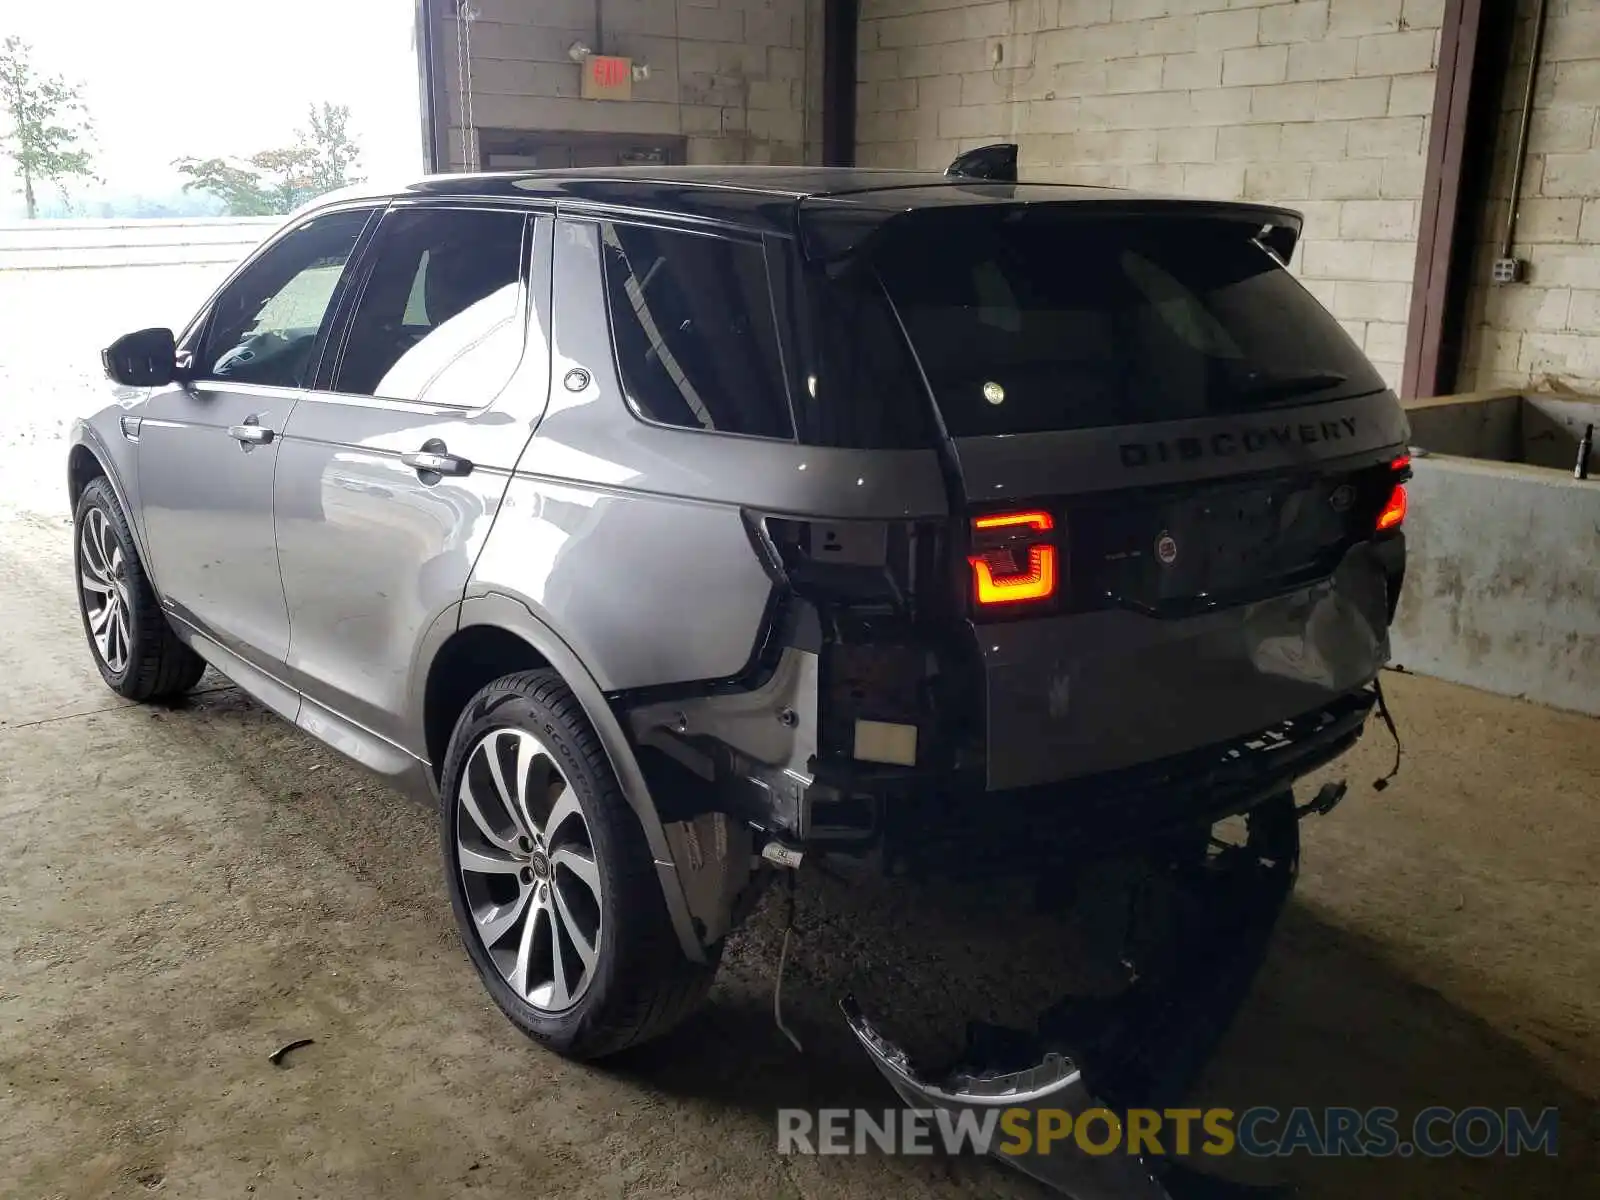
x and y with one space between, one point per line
169 78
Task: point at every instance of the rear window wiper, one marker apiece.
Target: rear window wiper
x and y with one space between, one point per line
1258 386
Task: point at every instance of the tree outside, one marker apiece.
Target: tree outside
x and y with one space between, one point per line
323 158
49 124
336 155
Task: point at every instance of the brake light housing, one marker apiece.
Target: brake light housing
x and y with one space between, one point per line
1393 513
1014 559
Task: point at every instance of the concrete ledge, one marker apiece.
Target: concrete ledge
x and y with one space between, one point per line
1472 425
1503 583
1511 426
68 245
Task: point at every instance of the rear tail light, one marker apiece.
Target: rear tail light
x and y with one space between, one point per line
1393 514
1013 559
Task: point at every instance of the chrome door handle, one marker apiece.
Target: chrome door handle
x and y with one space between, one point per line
251 435
432 459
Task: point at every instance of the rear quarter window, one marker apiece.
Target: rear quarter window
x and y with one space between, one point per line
857 385
692 321
1029 320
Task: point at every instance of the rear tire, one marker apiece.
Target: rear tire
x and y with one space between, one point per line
553 886
135 648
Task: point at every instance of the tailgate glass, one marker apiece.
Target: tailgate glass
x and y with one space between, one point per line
1033 319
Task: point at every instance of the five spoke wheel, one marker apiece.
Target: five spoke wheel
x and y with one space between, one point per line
102 577
528 869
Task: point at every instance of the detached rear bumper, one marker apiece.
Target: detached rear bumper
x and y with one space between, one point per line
1141 1049
1056 1082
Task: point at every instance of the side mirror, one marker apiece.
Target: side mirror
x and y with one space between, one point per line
148 358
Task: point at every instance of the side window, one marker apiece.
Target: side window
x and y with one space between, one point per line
263 328
442 316
692 318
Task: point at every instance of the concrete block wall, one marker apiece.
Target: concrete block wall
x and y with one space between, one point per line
1547 328
1322 105
740 80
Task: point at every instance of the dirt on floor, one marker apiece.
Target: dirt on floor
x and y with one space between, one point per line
186 889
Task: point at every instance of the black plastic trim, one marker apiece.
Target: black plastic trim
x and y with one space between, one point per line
1044 825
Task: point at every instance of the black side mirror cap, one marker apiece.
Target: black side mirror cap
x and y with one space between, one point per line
148 358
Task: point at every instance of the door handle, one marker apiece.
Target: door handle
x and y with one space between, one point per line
434 459
250 434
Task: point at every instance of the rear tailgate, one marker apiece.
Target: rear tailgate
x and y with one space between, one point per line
1173 462
1188 616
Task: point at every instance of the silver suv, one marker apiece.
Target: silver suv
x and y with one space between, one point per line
668 526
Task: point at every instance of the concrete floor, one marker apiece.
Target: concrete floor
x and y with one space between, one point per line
186 889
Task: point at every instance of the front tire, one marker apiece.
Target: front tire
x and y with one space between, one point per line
139 656
553 886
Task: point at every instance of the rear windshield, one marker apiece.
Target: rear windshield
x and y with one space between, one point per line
1027 320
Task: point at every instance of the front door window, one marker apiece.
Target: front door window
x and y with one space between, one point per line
265 327
442 314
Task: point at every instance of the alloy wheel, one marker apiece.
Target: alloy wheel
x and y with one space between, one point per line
103 582
528 869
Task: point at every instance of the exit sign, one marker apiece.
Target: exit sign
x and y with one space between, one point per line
607 77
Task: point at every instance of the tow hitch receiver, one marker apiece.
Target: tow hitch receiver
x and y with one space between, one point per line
1140 1049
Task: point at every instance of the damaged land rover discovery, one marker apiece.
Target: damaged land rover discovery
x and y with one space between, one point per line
669 526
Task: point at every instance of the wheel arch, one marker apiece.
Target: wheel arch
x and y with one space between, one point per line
83 468
89 459
499 634
469 659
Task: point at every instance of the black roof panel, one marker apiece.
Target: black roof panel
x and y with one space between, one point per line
765 198
794 182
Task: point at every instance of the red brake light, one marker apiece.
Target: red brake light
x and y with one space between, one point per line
1401 463
1028 520
1393 512
998 577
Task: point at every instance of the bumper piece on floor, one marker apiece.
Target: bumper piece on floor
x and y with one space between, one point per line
1140 1049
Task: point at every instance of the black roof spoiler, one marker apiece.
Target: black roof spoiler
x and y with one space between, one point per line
998 164
995 164
833 228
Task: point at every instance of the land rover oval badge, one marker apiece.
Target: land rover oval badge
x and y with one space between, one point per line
1166 549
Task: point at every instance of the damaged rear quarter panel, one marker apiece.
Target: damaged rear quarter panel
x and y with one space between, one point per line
632 536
